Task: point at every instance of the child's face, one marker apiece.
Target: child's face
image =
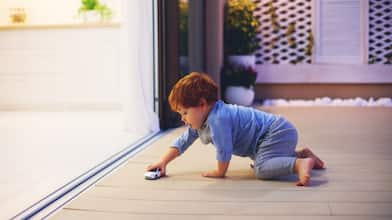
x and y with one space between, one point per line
194 116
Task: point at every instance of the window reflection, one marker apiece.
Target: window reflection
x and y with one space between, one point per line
183 38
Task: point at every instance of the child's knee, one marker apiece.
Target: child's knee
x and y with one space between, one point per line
262 174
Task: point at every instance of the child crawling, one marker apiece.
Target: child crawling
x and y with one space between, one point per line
269 140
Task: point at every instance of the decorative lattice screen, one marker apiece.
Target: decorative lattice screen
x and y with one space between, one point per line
285 34
380 31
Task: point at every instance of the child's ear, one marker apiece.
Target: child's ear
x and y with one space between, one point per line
203 102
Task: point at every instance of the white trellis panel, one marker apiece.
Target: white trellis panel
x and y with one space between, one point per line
380 31
276 46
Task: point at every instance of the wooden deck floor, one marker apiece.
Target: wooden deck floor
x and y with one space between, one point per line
355 143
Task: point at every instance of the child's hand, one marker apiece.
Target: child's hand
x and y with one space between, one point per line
159 165
220 172
213 174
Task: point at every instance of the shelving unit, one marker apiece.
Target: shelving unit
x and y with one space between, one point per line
61 26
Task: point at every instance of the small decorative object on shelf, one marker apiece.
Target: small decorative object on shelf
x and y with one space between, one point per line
17 15
94 11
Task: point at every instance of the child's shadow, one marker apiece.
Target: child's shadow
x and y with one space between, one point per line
318 178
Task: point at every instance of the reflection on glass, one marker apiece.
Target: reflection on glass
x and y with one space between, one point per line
183 38
72 100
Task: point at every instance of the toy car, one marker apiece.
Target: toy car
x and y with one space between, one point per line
153 174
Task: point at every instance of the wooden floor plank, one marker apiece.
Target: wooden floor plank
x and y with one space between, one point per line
81 214
246 195
202 208
368 209
354 142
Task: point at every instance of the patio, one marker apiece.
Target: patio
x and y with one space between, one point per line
354 142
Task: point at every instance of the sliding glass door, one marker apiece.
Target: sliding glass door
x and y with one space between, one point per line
73 94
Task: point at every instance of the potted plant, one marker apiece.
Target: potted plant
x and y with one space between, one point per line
241 28
93 10
239 82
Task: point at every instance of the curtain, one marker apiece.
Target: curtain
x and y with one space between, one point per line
137 68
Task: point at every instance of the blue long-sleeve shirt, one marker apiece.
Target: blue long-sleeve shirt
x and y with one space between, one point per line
232 129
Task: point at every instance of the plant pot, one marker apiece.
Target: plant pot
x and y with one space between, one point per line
242 60
91 16
239 95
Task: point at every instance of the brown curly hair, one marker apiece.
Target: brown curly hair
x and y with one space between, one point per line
189 91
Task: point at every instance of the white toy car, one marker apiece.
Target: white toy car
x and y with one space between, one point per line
153 174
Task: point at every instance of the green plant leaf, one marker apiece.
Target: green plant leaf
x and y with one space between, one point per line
241 27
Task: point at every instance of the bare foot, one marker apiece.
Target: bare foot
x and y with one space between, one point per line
303 168
306 152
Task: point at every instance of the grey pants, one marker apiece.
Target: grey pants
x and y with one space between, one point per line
275 153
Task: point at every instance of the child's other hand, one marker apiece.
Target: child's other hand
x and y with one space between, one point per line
159 165
213 174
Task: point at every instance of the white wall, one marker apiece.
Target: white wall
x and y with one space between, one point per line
325 73
54 68
50 69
